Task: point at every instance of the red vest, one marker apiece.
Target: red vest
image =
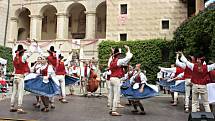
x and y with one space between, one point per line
52 60
187 73
130 75
44 72
116 71
137 79
85 71
20 67
178 71
212 76
200 78
60 68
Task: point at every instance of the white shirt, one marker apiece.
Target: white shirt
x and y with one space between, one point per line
191 65
142 78
82 71
74 71
160 75
180 64
106 73
37 67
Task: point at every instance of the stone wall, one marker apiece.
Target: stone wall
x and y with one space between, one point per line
3 17
144 18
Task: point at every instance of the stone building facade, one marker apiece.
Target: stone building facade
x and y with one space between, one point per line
3 19
82 24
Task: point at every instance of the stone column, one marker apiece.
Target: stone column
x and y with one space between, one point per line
62 26
200 5
35 27
90 24
13 29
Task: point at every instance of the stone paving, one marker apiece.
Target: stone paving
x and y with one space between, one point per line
95 109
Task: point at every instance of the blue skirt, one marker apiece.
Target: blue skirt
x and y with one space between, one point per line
38 87
71 80
130 93
178 88
166 84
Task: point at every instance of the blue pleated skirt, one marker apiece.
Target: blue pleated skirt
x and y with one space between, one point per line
38 87
69 80
130 93
178 88
166 84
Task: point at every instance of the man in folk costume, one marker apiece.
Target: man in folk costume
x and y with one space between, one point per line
60 75
123 70
116 74
138 79
106 76
176 71
85 74
52 58
20 69
199 81
187 77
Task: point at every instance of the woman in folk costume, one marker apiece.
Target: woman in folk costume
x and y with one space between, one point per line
187 77
139 89
85 74
42 84
199 80
126 78
116 74
73 75
36 70
21 68
176 71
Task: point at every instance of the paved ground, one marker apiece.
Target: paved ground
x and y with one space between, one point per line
94 109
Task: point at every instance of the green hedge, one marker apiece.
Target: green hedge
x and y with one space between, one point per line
150 53
6 53
197 35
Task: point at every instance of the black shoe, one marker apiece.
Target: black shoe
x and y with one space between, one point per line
134 111
142 113
13 110
45 109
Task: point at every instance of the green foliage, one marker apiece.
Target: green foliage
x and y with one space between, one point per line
196 36
6 53
150 53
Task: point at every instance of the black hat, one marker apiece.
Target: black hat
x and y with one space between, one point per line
60 57
117 51
20 49
51 49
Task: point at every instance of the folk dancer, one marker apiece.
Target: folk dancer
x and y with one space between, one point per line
138 78
42 84
176 71
138 89
106 76
85 74
21 68
60 75
74 71
199 80
36 69
187 77
116 74
127 77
